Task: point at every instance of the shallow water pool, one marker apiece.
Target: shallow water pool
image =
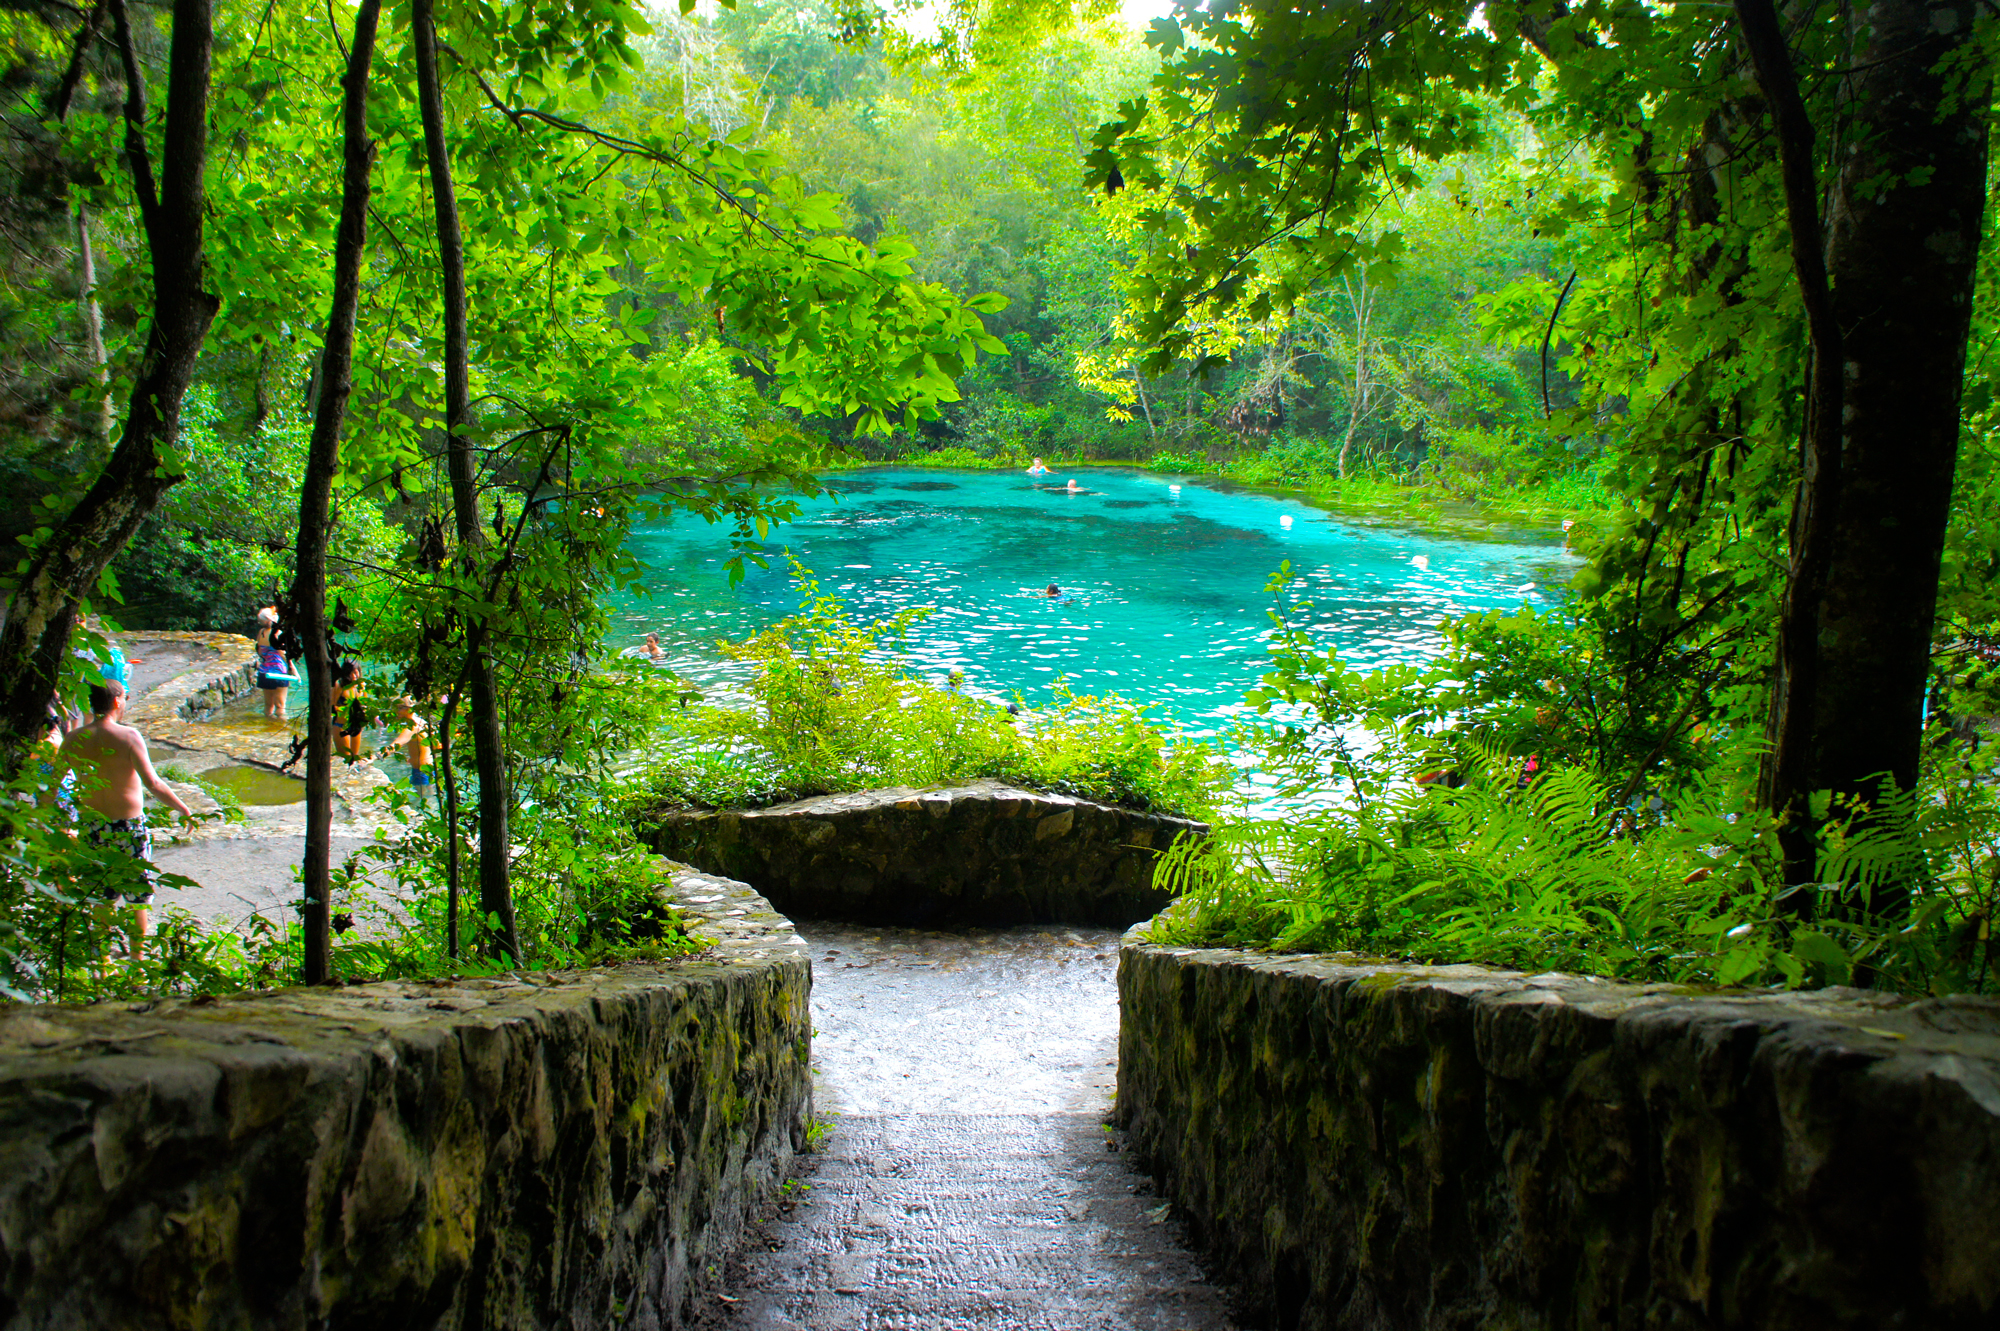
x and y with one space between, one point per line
1163 581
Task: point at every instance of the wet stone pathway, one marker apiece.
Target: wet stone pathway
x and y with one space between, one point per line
967 1178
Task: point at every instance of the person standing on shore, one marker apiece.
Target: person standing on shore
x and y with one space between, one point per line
113 773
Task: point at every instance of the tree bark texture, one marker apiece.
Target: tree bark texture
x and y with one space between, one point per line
496 899
58 107
42 610
1362 300
1901 240
1902 260
1791 770
316 494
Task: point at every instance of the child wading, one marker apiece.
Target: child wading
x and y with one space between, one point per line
413 738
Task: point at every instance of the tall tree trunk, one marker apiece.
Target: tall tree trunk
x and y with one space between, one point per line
1361 300
316 494
1790 775
93 321
1903 257
1889 343
42 611
61 97
496 898
1139 382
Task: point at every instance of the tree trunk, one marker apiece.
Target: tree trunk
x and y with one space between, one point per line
58 107
1139 382
1903 257
496 898
93 321
1882 429
1358 407
1790 777
35 634
316 493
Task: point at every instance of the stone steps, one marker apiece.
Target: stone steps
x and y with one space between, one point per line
936 1221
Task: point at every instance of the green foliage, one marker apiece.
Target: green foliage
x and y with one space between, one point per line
1544 878
833 708
585 894
1510 805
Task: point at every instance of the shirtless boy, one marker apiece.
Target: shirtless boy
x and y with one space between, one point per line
413 739
110 761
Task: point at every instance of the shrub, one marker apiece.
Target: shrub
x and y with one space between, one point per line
836 708
1484 810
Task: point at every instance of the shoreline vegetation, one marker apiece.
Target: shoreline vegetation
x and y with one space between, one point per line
1463 510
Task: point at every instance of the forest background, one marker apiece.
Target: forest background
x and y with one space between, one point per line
981 175
1561 257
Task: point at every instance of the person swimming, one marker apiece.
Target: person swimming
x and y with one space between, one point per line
1073 487
652 648
1053 592
1038 469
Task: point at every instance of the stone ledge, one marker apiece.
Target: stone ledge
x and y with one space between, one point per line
529 1151
1369 1145
981 853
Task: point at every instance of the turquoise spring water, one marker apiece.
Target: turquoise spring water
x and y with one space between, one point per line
1163 582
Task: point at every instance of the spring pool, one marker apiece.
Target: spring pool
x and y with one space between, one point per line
1163 580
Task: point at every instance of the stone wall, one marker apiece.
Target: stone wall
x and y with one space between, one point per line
982 853
1379 1146
535 1151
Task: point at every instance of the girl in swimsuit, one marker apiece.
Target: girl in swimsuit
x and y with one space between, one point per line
347 689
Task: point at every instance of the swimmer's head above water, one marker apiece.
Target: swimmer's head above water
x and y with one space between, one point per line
1053 590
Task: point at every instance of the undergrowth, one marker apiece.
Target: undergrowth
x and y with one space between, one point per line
835 708
1460 836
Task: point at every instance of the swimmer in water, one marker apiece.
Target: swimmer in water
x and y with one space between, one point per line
1038 470
1053 592
652 649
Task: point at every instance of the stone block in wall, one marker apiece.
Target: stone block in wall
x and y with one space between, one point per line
1371 1146
982 853
539 1151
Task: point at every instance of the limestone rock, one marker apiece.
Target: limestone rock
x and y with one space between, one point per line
983 853
533 1151
1368 1145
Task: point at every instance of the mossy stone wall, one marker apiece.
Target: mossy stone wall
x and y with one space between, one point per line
981 853
535 1151
1371 1146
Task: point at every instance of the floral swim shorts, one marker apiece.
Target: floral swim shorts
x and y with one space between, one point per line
132 836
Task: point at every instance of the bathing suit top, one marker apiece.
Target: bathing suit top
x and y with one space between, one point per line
271 661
